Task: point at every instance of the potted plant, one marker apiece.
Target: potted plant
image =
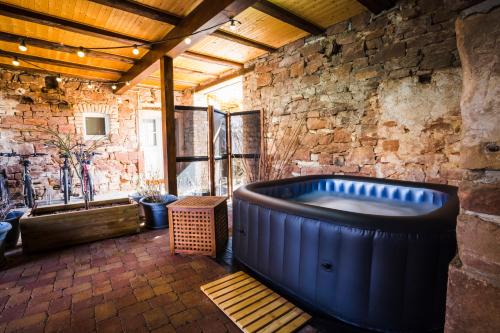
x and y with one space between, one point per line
56 226
155 204
12 236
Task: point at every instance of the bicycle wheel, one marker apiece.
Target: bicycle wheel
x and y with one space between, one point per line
90 188
4 189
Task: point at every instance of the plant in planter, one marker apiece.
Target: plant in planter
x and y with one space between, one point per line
56 226
155 203
5 227
79 156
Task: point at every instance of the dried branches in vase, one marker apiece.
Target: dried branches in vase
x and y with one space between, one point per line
274 161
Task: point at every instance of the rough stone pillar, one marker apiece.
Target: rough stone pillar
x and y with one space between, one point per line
473 303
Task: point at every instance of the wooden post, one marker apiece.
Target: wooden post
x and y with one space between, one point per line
211 157
168 123
229 157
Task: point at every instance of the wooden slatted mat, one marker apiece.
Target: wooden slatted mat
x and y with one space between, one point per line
252 306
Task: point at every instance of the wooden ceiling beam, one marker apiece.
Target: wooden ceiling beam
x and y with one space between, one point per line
56 22
142 10
223 78
211 59
377 6
203 19
192 71
44 71
7 37
242 40
284 15
30 58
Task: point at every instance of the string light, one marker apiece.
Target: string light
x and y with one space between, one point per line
233 24
15 62
22 46
81 52
127 83
59 78
135 50
113 87
89 85
187 40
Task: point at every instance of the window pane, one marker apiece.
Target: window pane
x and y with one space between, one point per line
245 132
149 132
191 132
192 178
95 126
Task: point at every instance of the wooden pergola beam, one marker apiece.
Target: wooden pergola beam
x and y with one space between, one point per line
242 40
7 37
168 124
44 71
284 15
30 58
192 71
223 78
56 22
184 82
211 59
377 6
204 19
142 10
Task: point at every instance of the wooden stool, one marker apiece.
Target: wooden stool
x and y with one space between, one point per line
198 225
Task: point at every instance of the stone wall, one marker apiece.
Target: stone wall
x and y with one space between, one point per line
473 303
378 95
25 102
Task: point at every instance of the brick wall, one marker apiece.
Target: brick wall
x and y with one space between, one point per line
25 103
379 95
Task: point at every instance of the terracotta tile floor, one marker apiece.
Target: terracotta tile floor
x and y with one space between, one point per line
128 284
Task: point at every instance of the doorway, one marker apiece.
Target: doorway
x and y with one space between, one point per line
151 143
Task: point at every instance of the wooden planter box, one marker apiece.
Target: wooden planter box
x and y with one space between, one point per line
57 226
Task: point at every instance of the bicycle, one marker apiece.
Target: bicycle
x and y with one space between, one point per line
28 189
65 178
84 158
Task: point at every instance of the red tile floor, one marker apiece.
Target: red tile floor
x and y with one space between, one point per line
128 284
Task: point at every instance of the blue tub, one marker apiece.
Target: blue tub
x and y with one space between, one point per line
371 252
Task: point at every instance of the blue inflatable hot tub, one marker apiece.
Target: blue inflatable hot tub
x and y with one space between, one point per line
371 252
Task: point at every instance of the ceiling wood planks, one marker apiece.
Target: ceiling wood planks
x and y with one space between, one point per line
140 9
57 22
282 14
377 6
6 37
206 16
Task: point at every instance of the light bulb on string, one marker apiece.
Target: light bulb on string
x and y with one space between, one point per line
89 85
22 46
59 78
135 50
113 87
187 40
233 24
81 52
127 83
15 62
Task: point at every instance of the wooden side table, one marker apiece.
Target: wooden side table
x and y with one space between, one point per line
198 225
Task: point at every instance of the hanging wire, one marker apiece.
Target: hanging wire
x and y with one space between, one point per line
161 41
135 46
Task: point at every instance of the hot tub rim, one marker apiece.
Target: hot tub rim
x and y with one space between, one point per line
439 220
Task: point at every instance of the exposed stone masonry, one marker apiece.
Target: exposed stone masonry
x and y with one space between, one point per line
379 94
25 102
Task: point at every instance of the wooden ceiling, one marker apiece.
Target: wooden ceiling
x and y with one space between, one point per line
53 31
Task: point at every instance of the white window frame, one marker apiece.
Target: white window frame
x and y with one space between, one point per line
95 115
